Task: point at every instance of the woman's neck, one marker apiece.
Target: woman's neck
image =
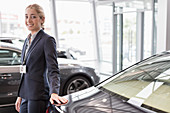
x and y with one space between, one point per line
34 32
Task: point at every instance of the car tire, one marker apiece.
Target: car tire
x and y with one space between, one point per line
76 84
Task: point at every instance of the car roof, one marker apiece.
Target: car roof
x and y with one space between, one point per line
9 46
9 38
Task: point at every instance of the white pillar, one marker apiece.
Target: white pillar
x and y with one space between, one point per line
93 2
163 31
140 37
54 21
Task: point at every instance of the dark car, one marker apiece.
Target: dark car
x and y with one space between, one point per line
74 77
142 88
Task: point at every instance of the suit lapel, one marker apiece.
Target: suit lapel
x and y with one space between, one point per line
34 43
24 50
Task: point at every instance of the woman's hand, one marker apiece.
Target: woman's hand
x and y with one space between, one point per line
60 100
18 103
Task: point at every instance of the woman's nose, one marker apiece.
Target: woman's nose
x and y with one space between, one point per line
28 19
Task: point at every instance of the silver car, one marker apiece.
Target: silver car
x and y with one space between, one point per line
142 88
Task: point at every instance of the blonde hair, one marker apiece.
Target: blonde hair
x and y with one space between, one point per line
39 10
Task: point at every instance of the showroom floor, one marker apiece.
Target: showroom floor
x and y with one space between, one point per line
103 77
103 69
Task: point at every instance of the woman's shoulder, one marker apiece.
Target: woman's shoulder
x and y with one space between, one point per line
45 35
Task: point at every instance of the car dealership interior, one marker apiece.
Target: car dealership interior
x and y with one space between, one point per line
104 47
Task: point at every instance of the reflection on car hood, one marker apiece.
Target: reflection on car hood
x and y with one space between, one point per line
94 100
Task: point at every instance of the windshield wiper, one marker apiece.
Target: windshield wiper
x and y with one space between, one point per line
162 80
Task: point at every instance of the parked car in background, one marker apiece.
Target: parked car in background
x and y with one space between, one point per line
65 53
13 40
141 88
74 76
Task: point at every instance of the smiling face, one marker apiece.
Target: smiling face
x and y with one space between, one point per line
32 20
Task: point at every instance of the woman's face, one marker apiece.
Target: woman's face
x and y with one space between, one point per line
32 20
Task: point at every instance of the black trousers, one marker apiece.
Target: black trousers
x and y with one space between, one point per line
33 106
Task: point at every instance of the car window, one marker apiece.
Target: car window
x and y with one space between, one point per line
61 54
147 84
9 57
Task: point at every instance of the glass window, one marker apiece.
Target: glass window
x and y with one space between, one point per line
105 34
129 39
129 11
75 29
12 17
133 5
147 34
9 57
105 25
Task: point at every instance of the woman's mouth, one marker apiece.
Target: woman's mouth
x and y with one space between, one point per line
29 25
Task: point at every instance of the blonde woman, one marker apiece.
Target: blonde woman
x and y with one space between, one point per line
39 79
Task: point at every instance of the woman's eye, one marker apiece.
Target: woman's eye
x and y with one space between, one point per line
33 16
26 17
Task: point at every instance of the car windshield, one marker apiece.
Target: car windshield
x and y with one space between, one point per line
145 84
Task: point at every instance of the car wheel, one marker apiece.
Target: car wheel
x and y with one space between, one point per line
76 84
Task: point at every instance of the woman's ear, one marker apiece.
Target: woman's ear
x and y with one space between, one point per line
43 20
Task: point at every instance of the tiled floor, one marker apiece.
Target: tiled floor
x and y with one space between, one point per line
103 69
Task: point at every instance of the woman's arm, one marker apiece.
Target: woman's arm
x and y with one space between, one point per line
53 71
52 65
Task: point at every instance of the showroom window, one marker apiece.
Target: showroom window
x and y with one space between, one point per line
105 28
134 22
135 29
12 17
75 29
124 35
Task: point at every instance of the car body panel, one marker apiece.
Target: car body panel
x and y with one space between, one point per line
94 100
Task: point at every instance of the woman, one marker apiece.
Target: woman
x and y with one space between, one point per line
39 79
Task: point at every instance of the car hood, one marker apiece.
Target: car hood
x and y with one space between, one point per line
66 61
94 100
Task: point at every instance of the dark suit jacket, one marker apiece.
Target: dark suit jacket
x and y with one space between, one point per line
42 76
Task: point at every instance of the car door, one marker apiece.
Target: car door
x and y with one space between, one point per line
9 75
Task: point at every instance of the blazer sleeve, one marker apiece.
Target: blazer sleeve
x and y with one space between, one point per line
52 65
